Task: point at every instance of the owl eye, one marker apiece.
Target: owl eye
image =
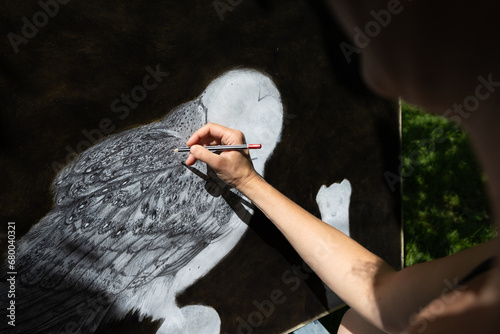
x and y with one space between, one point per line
90 169
71 219
145 208
61 199
83 205
77 189
86 224
119 232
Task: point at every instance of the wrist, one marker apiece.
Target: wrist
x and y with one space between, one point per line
251 184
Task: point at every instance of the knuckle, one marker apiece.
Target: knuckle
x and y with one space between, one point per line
240 135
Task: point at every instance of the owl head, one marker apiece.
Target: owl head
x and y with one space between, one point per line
249 101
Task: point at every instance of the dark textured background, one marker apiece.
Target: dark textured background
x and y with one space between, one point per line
65 78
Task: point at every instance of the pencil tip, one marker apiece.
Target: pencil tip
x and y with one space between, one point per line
176 150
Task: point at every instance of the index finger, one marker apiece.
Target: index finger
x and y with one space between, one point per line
216 132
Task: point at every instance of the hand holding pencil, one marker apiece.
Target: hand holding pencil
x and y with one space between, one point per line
220 148
234 167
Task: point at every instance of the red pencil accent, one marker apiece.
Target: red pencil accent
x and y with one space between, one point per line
223 147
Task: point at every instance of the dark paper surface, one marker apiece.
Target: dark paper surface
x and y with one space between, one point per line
60 82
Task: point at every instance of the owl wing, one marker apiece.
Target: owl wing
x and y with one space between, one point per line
126 211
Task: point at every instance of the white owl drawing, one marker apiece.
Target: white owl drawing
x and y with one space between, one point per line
132 226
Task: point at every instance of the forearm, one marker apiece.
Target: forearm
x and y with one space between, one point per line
345 266
383 296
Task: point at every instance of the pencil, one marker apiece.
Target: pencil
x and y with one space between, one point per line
223 147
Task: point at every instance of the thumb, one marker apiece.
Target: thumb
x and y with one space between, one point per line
202 154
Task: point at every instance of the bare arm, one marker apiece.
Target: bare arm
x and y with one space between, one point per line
385 297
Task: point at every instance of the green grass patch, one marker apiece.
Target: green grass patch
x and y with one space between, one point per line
445 205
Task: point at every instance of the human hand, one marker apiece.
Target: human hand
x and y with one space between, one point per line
233 167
